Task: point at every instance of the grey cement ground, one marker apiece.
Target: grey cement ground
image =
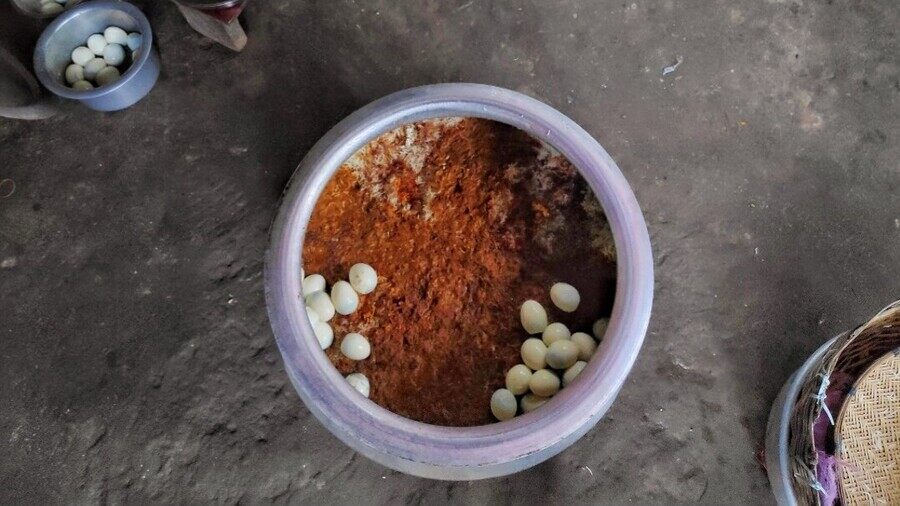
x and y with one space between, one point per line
137 364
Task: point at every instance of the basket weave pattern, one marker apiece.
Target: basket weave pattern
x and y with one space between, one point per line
868 435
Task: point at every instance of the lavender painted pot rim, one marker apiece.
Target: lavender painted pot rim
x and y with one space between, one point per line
451 452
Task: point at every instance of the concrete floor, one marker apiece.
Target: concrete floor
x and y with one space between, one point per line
137 362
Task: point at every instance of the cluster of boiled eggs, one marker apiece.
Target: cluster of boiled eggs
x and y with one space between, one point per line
53 7
549 363
96 62
343 300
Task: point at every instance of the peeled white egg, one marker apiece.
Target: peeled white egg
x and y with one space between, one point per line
600 327
74 72
534 353
114 54
81 55
363 278
573 372
93 67
531 402
96 43
586 345
134 41
115 35
543 383
107 75
562 354
324 334
503 404
554 332
313 283
565 297
517 379
82 85
360 382
355 346
344 298
320 302
533 316
312 315
51 8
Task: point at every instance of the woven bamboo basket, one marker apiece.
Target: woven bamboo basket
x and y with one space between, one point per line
851 353
867 436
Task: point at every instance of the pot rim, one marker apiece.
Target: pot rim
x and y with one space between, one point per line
458 452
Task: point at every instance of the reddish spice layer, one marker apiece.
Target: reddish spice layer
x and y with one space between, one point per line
464 219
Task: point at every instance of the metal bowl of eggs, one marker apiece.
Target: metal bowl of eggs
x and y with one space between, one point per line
99 53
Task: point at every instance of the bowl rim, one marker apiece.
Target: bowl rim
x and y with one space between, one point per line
40 49
458 452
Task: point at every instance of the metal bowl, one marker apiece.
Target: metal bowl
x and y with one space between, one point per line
778 429
459 453
72 29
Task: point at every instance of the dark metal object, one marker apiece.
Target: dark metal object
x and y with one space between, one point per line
216 19
211 4
20 94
